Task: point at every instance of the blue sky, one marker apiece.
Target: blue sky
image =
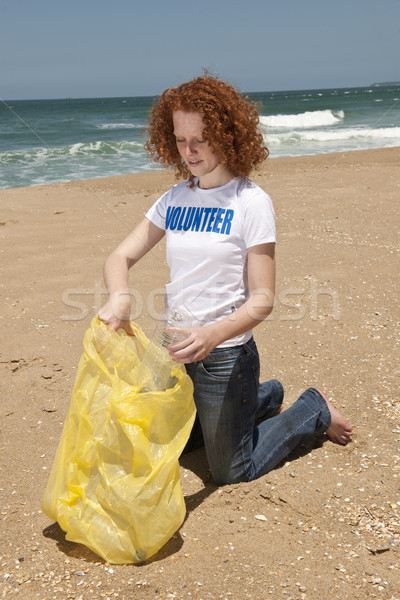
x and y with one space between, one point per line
92 48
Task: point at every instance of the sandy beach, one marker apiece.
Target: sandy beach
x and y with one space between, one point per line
326 523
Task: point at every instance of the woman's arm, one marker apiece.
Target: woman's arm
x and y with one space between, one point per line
261 279
143 238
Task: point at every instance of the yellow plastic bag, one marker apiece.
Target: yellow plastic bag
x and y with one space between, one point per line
114 485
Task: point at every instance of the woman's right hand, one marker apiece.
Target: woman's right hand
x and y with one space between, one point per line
116 311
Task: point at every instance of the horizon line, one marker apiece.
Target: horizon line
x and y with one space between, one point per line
371 85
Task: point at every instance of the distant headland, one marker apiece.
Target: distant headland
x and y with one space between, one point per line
386 84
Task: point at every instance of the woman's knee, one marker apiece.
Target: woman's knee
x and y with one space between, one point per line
228 476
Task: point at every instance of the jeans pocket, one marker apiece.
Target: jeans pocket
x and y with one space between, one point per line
223 368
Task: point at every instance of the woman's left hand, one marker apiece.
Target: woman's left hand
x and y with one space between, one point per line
196 346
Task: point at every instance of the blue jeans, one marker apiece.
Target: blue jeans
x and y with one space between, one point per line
244 437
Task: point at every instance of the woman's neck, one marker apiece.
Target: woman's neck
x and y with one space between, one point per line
219 176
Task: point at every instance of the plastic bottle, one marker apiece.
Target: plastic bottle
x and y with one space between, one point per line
154 374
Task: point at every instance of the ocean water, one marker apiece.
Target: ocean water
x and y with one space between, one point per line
48 141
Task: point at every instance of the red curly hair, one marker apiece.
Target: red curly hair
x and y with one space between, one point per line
231 126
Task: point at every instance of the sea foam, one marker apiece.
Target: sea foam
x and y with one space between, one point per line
391 134
315 118
119 126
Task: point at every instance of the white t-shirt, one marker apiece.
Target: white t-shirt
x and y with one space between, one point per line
208 233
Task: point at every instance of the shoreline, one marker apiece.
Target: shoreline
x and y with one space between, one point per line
165 171
334 326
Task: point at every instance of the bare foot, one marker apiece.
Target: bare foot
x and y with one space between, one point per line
340 430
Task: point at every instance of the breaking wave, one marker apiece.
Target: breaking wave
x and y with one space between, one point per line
315 118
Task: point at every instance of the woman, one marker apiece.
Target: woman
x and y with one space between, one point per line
220 240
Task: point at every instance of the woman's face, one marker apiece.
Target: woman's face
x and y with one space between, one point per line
200 159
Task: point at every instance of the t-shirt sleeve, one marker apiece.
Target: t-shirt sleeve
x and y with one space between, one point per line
258 220
156 213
